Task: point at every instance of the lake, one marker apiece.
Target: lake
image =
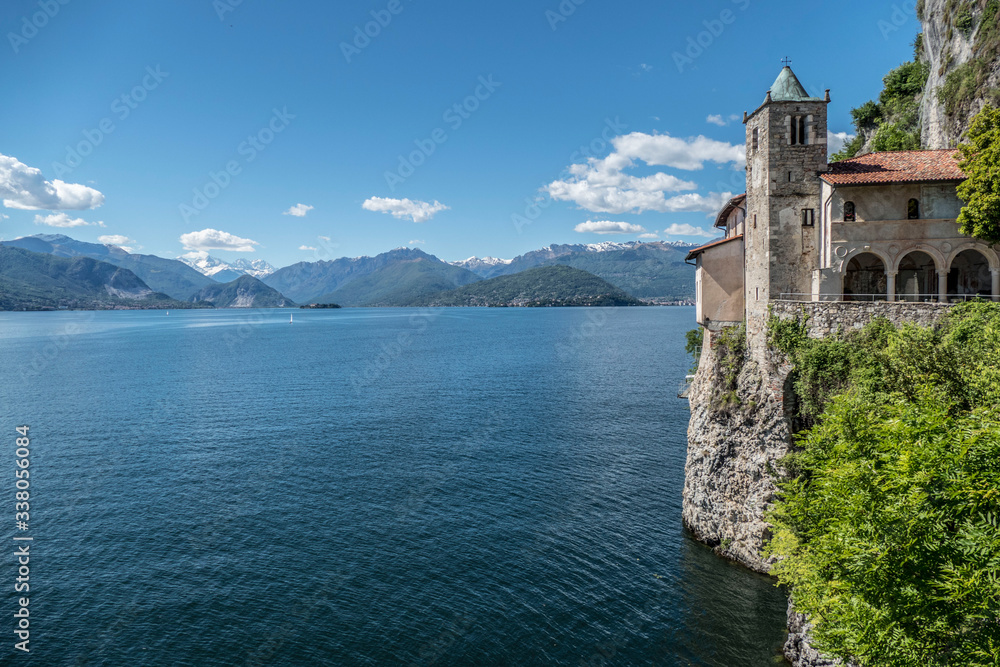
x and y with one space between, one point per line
366 487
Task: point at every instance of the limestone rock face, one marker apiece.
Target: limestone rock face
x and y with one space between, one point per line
798 647
944 54
732 450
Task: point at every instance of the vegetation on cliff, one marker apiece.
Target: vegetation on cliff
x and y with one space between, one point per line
888 525
892 123
980 20
980 217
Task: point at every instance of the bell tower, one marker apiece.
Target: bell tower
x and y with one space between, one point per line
786 146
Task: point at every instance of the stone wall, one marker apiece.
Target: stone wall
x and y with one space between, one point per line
829 317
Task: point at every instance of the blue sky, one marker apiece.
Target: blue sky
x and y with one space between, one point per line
201 115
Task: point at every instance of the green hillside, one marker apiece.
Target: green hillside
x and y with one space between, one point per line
244 292
36 281
646 272
543 286
400 284
169 276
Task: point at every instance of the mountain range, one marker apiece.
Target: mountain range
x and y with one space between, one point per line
654 270
225 272
38 281
401 277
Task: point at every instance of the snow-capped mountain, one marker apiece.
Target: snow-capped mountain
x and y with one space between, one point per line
224 272
476 264
257 268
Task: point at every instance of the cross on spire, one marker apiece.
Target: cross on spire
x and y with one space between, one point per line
786 61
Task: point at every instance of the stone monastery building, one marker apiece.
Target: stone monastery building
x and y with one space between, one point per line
880 227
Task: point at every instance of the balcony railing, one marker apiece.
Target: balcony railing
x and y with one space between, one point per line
905 298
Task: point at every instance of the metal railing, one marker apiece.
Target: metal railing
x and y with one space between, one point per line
899 298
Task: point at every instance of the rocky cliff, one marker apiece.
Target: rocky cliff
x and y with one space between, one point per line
737 433
743 414
961 41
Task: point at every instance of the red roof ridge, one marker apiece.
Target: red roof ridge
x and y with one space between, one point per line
697 251
939 164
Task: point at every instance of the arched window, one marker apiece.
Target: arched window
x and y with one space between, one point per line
797 131
849 212
865 279
917 278
913 209
970 275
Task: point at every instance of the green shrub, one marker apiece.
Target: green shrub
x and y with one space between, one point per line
888 526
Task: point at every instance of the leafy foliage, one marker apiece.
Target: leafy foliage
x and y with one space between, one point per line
693 345
730 350
888 528
980 217
892 123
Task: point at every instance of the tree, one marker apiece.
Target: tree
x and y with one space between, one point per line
980 217
887 527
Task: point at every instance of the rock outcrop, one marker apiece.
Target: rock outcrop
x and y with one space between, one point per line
954 39
735 438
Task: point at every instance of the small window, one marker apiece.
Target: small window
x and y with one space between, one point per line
803 139
755 221
849 213
795 131
808 217
913 209
756 139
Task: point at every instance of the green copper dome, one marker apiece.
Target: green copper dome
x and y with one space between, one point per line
787 88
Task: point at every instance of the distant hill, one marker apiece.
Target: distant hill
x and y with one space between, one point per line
311 282
400 283
244 292
646 270
37 281
169 276
542 286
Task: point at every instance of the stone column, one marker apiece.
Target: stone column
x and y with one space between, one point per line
996 283
890 286
942 286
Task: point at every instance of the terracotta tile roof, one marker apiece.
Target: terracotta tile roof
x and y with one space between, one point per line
896 167
697 251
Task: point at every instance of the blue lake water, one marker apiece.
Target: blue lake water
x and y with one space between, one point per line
366 487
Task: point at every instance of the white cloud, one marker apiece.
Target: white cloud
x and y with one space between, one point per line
664 150
213 239
720 120
324 238
608 227
836 141
646 68
649 236
417 242
602 186
4 217
299 210
123 242
307 247
64 221
685 229
24 187
418 211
